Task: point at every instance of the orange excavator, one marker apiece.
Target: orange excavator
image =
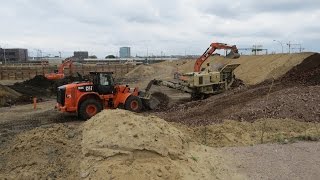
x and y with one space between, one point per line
59 74
234 54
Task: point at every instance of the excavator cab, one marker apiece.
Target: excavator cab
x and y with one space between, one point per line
103 83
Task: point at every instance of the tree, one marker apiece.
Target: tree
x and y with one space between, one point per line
110 57
93 57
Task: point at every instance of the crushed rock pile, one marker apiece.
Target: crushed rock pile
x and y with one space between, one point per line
299 103
305 73
120 144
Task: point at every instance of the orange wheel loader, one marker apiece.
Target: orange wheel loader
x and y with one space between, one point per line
90 97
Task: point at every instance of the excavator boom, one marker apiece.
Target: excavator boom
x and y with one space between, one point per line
211 49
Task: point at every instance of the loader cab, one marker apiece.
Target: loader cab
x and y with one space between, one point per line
103 82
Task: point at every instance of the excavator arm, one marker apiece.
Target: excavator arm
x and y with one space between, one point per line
211 49
67 63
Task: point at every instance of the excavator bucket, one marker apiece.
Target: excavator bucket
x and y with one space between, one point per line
233 55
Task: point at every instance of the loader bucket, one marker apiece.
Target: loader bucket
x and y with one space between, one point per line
233 55
156 101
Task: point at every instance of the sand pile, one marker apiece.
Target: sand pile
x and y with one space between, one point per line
255 69
143 74
42 153
122 145
141 71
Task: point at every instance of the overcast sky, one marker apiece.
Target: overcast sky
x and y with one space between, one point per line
170 26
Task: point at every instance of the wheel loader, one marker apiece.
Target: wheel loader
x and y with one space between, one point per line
87 98
202 83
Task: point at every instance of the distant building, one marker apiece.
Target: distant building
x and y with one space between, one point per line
81 55
125 52
13 55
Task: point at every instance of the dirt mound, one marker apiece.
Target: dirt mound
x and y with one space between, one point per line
8 96
42 153
120 144
299 103
305 73
38 81
40 86
248 104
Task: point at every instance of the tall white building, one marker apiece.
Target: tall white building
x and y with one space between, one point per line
125 52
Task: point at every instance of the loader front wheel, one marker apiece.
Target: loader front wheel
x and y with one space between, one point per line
89 108
133 103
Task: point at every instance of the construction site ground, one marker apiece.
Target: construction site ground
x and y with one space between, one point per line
267 128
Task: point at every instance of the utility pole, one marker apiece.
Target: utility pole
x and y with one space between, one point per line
280 44
4 56
147 55
290 44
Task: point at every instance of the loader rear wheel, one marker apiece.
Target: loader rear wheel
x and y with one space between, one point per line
133 103
89 108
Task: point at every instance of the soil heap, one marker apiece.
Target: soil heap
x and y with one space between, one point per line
40 86
37 86
8 96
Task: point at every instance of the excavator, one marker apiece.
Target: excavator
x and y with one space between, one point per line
59 74
202 83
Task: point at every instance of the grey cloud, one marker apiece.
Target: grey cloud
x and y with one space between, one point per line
168 25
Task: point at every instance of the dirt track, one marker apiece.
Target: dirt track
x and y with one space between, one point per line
274 161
